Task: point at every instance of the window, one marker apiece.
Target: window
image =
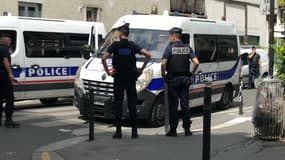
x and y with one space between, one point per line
153 40
227 47
206 48
30 9
212 48
252 40
75 44
92 14
13 35
46 44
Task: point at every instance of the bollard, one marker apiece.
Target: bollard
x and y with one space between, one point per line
91 114
207 119
166 105
240 98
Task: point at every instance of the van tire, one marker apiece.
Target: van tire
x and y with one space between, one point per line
157 114
226 99
48 101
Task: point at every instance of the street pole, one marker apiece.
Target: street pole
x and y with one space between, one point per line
245 25
166 106
271 37
91 113
207 119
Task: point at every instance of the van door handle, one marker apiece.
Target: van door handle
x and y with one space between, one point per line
35 66
15 66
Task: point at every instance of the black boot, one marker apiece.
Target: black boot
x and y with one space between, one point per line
135 133
9 123
187 132
172 133
118 133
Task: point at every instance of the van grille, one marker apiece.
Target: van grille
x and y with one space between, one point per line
102 89
103 92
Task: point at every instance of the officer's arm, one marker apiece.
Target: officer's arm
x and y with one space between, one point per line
104 58
147 56
195 64
259 65
163 67
8 69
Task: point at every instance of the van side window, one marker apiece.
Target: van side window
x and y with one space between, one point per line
227 47
205 48
47 44
13 35
74 44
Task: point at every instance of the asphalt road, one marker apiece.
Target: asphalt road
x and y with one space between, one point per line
42 125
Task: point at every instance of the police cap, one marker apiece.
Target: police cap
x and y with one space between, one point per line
175 30
5 35
123 27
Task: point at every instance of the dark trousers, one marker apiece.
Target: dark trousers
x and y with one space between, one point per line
119 90
178 89
7 96
253 74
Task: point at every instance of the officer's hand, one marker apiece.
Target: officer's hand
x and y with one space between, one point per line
12 79
140 71
164 77
111 74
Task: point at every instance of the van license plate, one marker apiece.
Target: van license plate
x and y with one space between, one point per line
99 103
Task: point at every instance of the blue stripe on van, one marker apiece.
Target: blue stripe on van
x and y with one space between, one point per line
157 84
46 71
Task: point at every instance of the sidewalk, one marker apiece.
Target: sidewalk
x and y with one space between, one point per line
234 143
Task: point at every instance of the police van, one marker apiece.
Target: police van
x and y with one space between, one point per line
46 54
215 43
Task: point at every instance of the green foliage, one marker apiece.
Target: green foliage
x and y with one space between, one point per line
280 59
281 4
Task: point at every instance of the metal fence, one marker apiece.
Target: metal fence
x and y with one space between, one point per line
269 110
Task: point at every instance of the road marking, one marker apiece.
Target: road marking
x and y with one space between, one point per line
230 123
48 110
59 122
62 144
46 115
45 156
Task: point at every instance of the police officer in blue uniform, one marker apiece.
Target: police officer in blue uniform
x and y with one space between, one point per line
6 81
125 76
254 66
176 62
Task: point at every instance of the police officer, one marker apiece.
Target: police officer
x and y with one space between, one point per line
254 67
125 75
176 61
6 81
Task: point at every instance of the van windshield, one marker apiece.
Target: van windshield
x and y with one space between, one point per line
154 41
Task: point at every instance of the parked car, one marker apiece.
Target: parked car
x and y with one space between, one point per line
264 63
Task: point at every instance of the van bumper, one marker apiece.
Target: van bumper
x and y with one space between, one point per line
104 106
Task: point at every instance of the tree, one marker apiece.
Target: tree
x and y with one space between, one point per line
281 4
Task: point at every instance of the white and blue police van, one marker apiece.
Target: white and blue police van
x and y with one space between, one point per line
46 54
216 44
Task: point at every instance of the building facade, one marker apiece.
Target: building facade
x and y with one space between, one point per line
252 26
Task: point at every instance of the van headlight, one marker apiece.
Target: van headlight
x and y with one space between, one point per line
78 83
144 80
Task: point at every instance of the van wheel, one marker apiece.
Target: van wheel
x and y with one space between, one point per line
157 115
226 100
48 100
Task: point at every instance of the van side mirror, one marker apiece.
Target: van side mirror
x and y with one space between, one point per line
86 51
